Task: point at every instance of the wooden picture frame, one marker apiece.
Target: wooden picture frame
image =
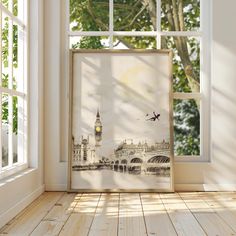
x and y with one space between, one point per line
120 121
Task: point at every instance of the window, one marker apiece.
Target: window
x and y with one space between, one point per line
180 25
13 86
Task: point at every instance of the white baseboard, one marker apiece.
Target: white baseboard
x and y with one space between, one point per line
205 187
17 208
55 187
188 187
178 187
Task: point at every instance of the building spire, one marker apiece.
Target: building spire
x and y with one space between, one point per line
98 114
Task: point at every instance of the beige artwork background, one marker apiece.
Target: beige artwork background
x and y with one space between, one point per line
126 87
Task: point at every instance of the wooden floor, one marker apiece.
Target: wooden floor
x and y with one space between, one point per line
195 213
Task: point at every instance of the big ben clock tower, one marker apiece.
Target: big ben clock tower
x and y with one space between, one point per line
98 130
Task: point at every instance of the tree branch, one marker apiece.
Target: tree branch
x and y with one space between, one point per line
100 24
181 15
135 17
175 15
151 8
170 16
97 21
176 21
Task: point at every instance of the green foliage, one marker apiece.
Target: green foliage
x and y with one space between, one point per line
180 83
4 157
131 15
15 114
5 3
79 13
5 111
89 42
191 15
186 127
5 67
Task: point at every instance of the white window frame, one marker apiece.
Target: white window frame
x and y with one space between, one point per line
21 92
204 33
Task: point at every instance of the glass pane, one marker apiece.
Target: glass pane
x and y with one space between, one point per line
134 15
15 129
186 62
179 15
91 15
89 42
5 129
5 52
15 57
5 3
186 127
15 7
134 42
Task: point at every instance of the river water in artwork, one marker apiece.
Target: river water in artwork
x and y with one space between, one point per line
109 179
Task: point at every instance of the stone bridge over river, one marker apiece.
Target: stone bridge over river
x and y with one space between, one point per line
147 163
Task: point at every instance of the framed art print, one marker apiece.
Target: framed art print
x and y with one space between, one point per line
120 129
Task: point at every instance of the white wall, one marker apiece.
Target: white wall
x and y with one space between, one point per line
220 172
17 191
55 171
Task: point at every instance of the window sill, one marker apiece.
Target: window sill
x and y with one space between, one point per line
13 177
14 169
191 159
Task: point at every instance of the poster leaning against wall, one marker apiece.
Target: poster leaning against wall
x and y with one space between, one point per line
120 128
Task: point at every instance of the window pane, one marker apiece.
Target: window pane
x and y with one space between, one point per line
5 3
5 50
18 58
134 42
186 127
15 129
89 15
89 42
15 7
5 129
179 15
134 15
186 62
15 55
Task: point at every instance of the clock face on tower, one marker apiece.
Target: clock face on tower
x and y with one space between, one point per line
98 129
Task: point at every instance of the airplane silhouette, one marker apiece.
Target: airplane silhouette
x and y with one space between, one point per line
155 117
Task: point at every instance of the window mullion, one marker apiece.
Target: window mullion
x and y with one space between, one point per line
135 33
10 130
1 132
14 99
158 22
0 92
187 96
111 23
10 15
10 86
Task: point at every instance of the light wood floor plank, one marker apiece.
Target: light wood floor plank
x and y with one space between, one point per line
208 219
55 219
181 217
106 218
80 220
193 213
34 203
27 222
225 208
131 220
62 209
46 228
227 200
156 217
